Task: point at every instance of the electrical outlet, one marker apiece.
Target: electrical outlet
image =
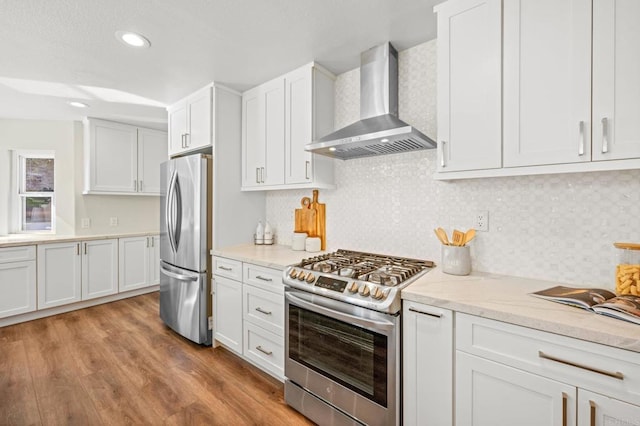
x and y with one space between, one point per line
482 221
86 222
210 323
113 221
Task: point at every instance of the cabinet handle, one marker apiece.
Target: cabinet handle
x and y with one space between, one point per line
425 313
135 185
564 408
182 140
617 375
605 135
153 243
85 248
224 268
442 163
140 185
306 169
592 413
147 241
263 351
78 249
581 145
187 140
259 309
260 277
262 174
257 174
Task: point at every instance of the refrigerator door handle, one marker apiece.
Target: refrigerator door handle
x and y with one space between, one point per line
180 277
177 220
169 210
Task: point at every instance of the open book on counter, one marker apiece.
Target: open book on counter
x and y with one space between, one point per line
598 300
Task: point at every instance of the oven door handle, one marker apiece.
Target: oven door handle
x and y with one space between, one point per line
384 326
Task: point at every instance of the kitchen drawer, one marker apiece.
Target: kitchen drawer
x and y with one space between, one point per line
265 349
603 369
266 278
227 268
17 254
263 308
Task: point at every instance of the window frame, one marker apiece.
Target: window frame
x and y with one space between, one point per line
19 194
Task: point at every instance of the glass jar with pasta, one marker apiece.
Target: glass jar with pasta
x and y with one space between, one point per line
628 269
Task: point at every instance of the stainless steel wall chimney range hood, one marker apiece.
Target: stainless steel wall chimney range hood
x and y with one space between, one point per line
379 130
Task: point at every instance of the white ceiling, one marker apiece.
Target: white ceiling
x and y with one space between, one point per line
53 51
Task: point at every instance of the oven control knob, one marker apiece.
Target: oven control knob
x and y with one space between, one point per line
310 278
293 274
364 291
353 287
378 294
302 276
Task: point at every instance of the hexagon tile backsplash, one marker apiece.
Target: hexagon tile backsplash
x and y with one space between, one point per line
558 227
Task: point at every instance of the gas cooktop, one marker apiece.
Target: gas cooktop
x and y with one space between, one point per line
370 280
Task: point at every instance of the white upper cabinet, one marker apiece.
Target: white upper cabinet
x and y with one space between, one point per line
469 85
122 159
191 122
616 79
279 118
547 82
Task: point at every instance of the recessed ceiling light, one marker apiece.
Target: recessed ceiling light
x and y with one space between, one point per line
133 39
78 104
333 148
385 140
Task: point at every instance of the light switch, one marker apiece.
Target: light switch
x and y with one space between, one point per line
113 221
86 222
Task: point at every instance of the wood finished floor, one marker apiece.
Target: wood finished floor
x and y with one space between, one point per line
118 363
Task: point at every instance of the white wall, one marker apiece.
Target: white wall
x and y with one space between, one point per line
554 227
135 214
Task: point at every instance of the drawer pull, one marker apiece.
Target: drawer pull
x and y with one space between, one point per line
592 413
425 313
617 375
224 268
564 408
260 277
263 350
262 311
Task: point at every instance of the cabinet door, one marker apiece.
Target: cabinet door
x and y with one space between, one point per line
298 125
133 264
252 139
469 85
152 151
547 82
273 116
598 410
154 260
177 127
427 359
113 154
493 394
59 274
616 79
17 287
228 313
99 268
199 133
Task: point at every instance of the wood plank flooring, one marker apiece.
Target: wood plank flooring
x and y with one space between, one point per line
117 364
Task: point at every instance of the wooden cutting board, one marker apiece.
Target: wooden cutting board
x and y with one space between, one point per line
305 219
320 209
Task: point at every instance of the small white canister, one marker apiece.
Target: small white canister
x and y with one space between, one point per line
298 241
312 244
456 260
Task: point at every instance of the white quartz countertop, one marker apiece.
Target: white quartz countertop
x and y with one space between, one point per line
271 256
15 240
507 299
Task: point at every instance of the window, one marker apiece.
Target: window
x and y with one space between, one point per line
35 191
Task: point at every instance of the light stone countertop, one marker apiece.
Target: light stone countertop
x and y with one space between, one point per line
270 256
507 299
16 240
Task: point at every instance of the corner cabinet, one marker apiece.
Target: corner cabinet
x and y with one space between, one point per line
279 118
138 262
191 122
122 159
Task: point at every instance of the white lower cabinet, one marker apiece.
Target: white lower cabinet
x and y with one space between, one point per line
75 271
17 280
248 312
599 410
139 262
427 360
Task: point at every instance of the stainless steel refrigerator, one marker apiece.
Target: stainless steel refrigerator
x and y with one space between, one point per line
185 242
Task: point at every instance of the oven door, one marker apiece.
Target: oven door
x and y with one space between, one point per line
345 355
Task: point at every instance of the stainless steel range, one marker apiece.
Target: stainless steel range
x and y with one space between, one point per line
342 324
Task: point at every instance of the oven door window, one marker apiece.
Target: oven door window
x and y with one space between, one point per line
352 356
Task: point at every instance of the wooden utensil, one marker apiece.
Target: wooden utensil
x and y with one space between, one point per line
458 238
305 218
442 236
320 227
469 235
439 237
